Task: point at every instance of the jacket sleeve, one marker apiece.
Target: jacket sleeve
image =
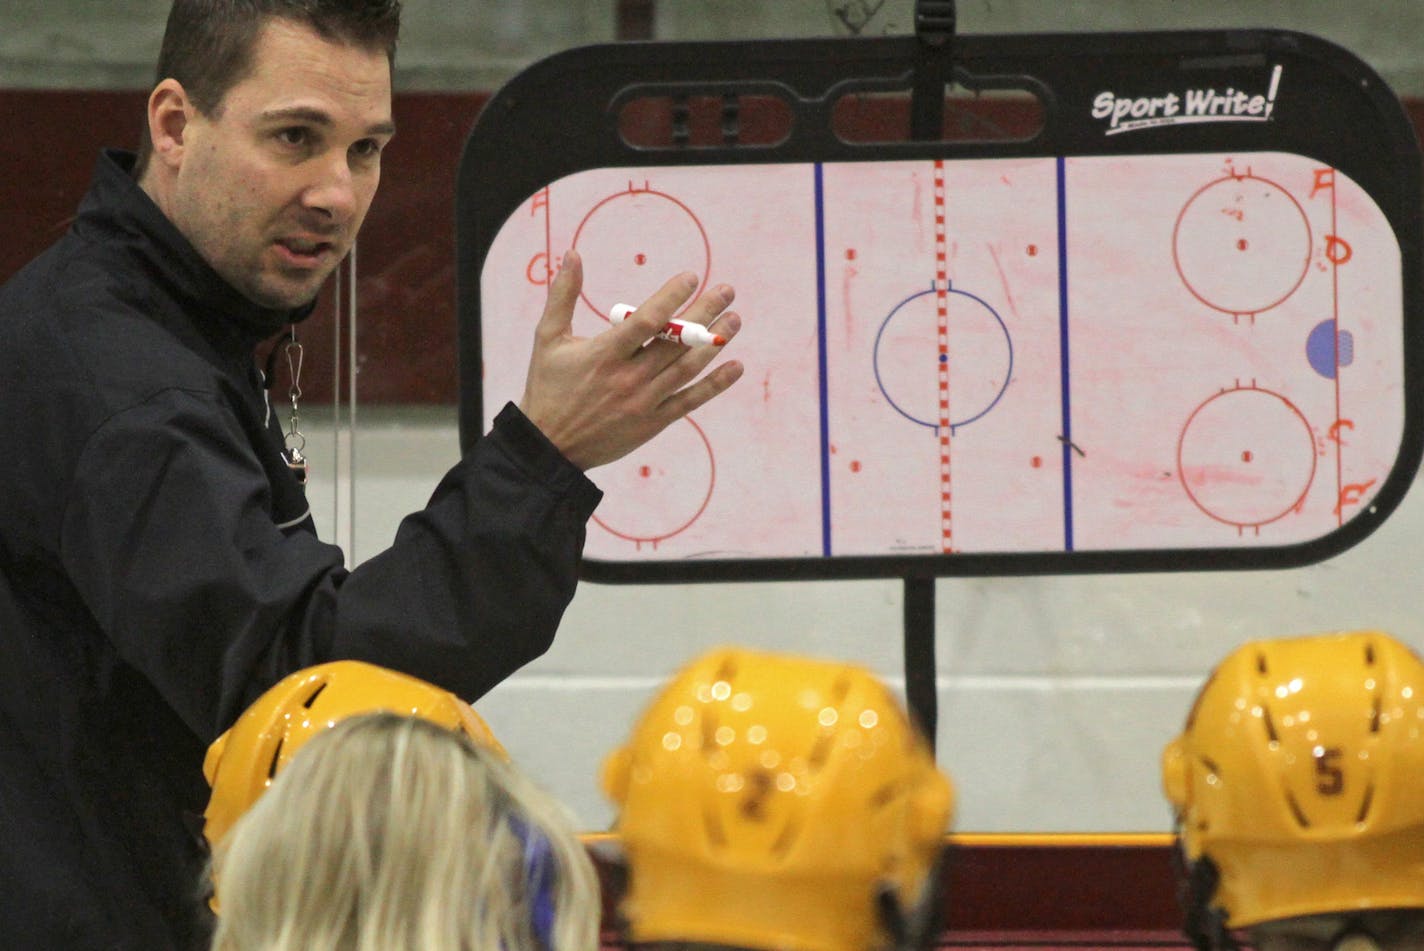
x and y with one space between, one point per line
168 536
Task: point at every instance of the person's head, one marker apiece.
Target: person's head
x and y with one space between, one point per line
390 832
778 802
1296 787
264 134
243 762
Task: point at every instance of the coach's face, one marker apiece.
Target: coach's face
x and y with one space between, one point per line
272 187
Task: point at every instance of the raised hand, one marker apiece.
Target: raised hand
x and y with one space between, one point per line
599 398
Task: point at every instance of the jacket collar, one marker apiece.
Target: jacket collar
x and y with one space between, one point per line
117 209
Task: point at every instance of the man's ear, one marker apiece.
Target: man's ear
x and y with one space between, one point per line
169 110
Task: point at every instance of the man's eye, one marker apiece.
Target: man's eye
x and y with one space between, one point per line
293 136
366 148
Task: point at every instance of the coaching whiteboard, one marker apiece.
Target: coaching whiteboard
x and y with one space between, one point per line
1177 327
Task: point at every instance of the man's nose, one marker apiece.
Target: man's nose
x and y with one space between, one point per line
332 189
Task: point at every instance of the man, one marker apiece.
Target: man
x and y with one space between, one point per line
781 803
1296 789
160 568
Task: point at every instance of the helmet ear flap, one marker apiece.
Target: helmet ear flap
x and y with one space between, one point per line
930 807
214 757
614 775
1175 779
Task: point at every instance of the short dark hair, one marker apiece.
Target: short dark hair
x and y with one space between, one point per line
208 44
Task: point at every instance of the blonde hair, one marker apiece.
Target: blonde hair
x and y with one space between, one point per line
388 833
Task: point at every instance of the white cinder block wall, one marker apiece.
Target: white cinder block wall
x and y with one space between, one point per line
1056 694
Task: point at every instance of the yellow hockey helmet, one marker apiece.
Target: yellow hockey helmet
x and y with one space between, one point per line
771 801
1298 776
242 763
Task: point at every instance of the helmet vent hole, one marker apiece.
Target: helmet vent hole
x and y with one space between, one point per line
1210 765
315 693
1269 723
839 690
1370 654
819 753
1364 812
884 796
1261 667
1375 714
785 838
709 733
276 755
1300 818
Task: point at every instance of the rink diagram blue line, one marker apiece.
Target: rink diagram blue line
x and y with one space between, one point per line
1063 370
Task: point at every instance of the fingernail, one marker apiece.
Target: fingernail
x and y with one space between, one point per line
690 280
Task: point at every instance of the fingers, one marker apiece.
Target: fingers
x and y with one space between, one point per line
707 308
728 324
558 315
689 398
653 313
689 362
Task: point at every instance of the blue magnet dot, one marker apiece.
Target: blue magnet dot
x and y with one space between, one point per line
1320 349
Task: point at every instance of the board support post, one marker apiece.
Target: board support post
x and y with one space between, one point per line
920 694
934 27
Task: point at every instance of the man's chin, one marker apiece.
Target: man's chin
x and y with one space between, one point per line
285 295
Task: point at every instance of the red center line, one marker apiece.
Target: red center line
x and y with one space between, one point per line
942 306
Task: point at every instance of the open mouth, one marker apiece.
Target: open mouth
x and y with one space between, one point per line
303 253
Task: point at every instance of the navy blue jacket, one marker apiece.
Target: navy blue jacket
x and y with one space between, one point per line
159 570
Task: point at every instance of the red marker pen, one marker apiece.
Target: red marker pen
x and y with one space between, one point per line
678 331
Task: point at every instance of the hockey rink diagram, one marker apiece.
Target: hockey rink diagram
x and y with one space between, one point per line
987 355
